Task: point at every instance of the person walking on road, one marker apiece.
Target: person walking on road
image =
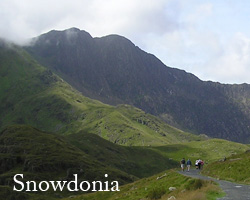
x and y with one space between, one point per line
189 163
199 164
196 164
183 162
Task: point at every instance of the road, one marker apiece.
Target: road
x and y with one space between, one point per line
233 191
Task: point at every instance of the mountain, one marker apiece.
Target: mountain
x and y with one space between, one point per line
112 69
50 131
31 94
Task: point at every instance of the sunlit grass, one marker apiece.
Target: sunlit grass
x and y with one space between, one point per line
153 188
235 168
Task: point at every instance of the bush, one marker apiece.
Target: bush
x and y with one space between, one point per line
198 184
156 193
194 184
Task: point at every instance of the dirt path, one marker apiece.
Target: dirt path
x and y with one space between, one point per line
233 191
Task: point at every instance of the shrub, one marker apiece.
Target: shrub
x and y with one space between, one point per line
198 184
194 184
156 193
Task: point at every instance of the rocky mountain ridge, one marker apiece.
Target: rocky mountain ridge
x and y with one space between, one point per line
112 69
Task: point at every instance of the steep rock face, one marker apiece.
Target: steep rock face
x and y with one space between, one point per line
112 69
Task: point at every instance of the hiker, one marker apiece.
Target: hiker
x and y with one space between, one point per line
197 164
189 163
183 164
202 163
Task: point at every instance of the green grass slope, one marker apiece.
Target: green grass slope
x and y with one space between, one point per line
127 125
31 94
146 161
235 168
210 150
44 156
158 188
138 161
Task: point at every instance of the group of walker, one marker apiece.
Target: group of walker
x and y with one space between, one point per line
198 164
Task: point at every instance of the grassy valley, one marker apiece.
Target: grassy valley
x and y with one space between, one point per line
210 150
138 161
45 156
134 160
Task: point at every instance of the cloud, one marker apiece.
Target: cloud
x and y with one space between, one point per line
200 12
201 46
186 46
24 19
233 63
27 18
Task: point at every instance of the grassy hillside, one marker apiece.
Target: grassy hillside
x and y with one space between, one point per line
31 94
235 168
138 161
127 125
44 156
153 188
145 161
210 150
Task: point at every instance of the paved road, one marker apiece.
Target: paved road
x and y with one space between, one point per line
233 191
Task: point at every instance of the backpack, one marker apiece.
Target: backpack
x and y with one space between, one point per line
182 161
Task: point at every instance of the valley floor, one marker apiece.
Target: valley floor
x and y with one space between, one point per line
233 190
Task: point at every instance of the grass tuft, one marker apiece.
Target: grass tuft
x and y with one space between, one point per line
156 193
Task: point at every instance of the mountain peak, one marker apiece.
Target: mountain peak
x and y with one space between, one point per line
73 29
76 31
115 38
71 36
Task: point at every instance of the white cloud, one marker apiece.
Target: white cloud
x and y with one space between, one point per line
204 51
23 19
233 63
199 12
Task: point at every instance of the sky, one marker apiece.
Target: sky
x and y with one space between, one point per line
209 38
